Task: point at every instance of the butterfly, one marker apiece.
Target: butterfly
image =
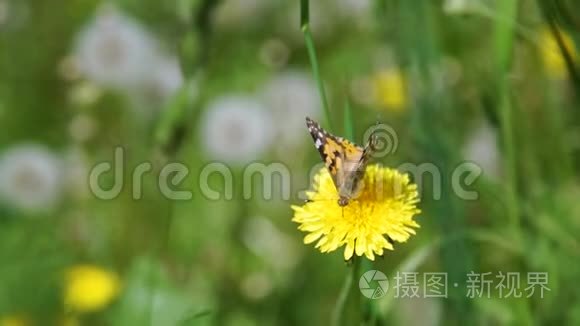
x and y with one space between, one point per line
345 161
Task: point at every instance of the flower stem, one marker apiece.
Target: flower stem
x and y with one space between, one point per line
356 290
349 289
338 311
305 26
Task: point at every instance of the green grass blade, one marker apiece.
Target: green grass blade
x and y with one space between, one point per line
504 38
304 19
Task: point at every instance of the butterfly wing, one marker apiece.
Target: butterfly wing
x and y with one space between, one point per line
354 170
345 161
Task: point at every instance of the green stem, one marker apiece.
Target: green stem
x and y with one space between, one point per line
503 45
305 25
338 311
304 12
356 294
349 289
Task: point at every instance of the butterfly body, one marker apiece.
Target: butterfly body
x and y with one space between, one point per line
345 161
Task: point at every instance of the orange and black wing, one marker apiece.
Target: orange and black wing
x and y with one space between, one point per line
340 156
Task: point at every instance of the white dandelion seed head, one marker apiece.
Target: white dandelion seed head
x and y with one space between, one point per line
114 50
291 96
30 178
482 148
236 129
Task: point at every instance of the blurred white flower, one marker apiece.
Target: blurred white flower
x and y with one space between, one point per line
482 148
236 129
114 50
30 178
291 96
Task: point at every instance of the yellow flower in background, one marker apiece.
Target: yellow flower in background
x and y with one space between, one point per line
14 320
90 288
554 61
390 90
382 213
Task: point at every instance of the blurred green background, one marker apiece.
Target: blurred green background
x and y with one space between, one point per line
202 81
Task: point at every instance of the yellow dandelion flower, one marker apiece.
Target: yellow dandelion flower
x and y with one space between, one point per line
554 62
14 320
90 288
383 212
390 90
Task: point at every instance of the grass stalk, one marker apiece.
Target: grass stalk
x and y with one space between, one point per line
305 26
504 38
